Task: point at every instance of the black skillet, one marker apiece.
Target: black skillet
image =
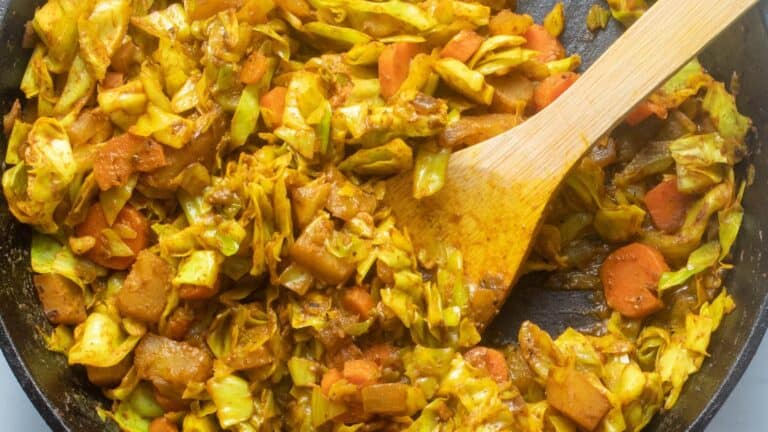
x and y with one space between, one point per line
66 400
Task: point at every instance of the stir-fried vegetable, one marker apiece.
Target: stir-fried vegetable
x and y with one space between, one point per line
206 179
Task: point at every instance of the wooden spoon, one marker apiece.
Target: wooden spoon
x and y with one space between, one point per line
496 191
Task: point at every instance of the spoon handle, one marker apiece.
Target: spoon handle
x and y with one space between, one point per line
663 40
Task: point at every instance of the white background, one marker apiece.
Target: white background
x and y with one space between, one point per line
745 409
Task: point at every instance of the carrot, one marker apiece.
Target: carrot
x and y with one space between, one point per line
162 424
359 301
179 323
273 105
630 276
667 205
490 360
122 156
539 39
462 46
95 221
552 87
645 110
254 67
197 292
361 372
112 80
394 63
330 377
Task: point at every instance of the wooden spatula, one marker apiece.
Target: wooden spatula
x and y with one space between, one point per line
496 191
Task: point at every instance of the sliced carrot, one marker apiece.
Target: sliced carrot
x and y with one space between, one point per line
95 222
462 46
630 276
490 360
359 301
273 105
361 372
667 205
254 67
162 424
330 377
552 87
548 46
645 110
124 155
198 292
394 63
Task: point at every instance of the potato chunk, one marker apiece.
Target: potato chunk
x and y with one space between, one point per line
145 291
310 252
577 396
62 299
171 365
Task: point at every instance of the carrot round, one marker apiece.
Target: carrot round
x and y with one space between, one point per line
162 424
490 360
197 292
95 222
462 46
359 301
394 63
361 372
643 111
254 67
667 205
630 276
552 87
274 102
330 377
539 39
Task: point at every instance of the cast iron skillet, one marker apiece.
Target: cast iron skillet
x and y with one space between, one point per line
66 400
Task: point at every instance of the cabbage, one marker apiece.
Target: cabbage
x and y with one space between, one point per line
701 259
429 171
721 107
408 13
101 341
391 158
166 127
233 399
171 22
200 268
35 187
700 161
101 33
56 24
464 80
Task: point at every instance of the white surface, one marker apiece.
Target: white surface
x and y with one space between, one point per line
744 411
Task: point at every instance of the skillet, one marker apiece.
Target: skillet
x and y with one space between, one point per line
66 399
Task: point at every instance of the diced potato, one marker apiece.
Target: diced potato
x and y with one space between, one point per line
577 396
388 399
62 299
346 199
307 200
310 252
170 364
145 290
